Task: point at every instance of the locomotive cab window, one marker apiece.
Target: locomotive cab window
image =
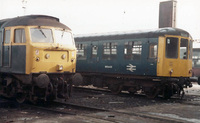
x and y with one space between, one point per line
184 49
172 47
63 37
41 35
7 37
20 36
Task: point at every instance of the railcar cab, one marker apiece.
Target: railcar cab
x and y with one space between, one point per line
174 56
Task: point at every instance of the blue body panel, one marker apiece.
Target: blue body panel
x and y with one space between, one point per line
13 59
118 65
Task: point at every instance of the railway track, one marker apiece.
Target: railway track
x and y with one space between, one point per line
102 114
89 112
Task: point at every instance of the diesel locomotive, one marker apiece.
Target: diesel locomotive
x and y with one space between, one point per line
156 62
37 58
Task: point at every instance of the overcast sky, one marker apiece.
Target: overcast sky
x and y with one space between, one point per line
96 16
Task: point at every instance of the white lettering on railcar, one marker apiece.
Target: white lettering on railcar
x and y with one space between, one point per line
108 67
130 67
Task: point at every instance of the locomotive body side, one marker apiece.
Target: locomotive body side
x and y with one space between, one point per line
151 61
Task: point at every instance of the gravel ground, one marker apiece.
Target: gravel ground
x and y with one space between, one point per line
186 110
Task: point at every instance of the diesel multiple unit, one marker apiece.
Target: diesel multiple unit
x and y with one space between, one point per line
158 62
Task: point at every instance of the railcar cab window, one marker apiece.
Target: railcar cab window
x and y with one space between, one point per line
109 51
7 37
20 36
41 35
63 37
81 51
133 50
184 49
172 47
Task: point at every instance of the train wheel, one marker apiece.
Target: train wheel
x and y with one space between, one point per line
152 93
167 92
20 97
115 88
132 91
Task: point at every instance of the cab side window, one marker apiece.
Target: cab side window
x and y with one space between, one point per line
20 36
184 49
7 37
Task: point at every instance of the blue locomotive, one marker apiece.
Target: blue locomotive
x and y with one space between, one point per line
158 62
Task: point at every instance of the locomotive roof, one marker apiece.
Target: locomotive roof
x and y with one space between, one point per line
133 34
33 20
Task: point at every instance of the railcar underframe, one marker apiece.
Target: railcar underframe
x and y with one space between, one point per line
150 86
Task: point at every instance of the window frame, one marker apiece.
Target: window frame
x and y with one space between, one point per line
155 52
81 49
166 48
109 50
133 50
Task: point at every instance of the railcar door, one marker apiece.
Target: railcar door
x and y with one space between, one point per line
151 63
93 57
6 49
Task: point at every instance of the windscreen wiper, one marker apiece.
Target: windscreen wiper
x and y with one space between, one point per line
42 33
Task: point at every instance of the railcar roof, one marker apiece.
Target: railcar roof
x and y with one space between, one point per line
133 34
33 20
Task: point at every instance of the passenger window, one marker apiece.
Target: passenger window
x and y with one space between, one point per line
20 36
184 49
133 50
94 51
81 51
109 51
7 37
172 47
152 50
